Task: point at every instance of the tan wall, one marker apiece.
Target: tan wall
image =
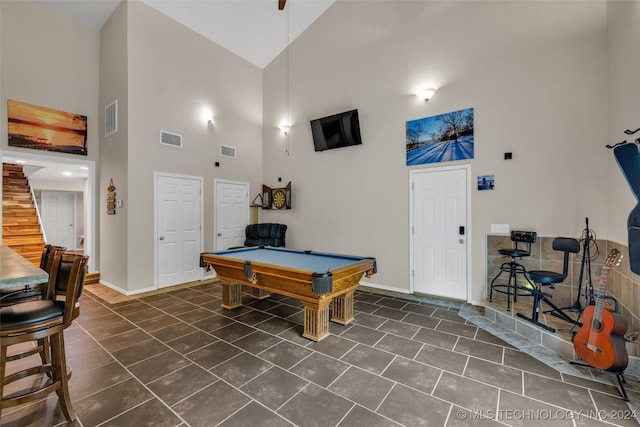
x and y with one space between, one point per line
50 60
162 76
535 77
537 81
173 73
114 160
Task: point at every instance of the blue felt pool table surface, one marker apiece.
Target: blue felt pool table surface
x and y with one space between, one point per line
317 262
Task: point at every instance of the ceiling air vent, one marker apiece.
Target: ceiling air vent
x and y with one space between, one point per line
227 151
111 119
169 138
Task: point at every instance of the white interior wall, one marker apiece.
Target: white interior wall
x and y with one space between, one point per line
546 82
535 74
624 108
194 75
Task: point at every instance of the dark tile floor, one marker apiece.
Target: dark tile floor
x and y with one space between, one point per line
179 359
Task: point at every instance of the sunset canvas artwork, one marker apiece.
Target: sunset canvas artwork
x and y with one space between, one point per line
41 128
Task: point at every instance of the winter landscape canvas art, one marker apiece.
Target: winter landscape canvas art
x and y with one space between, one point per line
443 138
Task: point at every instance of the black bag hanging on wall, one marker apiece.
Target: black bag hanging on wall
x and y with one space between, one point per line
628 158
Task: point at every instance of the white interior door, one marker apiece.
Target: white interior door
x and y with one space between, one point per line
179 229
439 232
58 217
231 213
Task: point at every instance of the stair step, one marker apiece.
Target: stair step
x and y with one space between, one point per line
13 175
19 220
20 226
15 204
20 230
16 195
16 189
92 278
18 212
24 241
17 201
13 179
27 250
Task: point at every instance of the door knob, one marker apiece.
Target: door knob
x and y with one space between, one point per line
461 240
219 234
161 237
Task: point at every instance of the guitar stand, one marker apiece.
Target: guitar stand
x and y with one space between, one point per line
619 377
588 238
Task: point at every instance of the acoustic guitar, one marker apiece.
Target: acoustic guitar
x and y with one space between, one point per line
600 342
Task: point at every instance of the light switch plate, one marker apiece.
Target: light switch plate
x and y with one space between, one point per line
500 228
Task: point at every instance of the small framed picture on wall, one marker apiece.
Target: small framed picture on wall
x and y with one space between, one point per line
486 182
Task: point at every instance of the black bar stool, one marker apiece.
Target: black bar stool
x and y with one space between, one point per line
520 238
541 278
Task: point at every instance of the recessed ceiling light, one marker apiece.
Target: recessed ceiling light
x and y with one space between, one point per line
67 173
22 162
84 168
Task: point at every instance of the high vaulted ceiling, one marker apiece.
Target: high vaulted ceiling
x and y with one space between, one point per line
252 29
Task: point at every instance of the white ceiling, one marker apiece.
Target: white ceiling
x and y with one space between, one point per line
49 170
252 29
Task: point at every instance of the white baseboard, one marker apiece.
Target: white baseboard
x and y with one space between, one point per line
123 292
384 287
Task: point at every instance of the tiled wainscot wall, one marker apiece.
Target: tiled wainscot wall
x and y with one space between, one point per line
622 284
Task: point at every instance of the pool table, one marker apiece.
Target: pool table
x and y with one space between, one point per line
317 279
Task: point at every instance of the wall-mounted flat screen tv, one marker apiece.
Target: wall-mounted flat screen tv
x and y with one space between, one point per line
339 130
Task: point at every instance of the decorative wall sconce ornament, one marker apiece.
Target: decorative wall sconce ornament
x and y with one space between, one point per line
426 93
111 198
285 129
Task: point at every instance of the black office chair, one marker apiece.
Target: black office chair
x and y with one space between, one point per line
550 278
522 248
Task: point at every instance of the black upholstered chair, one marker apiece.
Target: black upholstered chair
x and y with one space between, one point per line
521 247
265 234
541 278
43 319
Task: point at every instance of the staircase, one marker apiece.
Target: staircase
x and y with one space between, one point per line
20 226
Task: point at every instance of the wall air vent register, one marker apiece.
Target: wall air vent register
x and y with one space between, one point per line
111 119
168 138
227 151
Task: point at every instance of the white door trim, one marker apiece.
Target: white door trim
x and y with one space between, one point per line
217 181
156 175
468 230
89 198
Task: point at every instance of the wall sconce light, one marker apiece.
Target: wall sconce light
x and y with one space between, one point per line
426 94
207 115
285 129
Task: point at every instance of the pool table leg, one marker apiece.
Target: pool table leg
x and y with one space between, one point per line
258 293
342 310
231 295
316 320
